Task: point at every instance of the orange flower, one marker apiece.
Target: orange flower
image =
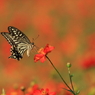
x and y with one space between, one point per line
42 53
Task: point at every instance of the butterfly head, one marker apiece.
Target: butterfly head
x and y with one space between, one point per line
32 44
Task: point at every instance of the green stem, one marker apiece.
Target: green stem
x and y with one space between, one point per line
60 75
70 79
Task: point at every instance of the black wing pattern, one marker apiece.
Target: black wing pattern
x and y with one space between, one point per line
15 54
18 41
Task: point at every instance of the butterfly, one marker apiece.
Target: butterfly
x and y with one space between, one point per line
19 42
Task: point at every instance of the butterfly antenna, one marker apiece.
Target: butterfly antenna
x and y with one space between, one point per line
33 42
32 39
36 37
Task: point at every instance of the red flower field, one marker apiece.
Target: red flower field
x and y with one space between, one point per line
69 29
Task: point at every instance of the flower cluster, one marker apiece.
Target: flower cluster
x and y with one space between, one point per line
33 90
43 92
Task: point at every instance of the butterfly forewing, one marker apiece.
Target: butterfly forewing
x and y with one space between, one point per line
19 42
18 35
8 38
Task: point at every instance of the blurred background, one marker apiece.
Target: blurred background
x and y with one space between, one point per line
68 25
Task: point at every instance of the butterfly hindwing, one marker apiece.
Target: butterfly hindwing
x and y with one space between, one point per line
15 54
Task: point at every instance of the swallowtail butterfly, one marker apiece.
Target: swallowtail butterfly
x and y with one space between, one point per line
19 42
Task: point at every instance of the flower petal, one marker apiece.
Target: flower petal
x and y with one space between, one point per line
37 57
43 59
48 48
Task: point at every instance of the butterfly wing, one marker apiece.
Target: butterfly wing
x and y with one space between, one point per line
8 38
18 35
18 40
15 54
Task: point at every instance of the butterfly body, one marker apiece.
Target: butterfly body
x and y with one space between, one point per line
19 42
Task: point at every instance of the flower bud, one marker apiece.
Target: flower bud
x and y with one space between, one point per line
69 65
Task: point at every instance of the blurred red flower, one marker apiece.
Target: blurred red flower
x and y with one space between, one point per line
42 53
88 63
31 90
43 92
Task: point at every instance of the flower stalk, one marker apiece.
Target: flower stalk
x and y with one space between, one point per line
71 90
70 76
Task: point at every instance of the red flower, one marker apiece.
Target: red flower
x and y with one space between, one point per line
88 63
42 53
43 92
31 90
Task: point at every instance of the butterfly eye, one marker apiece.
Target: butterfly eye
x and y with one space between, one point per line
32 43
